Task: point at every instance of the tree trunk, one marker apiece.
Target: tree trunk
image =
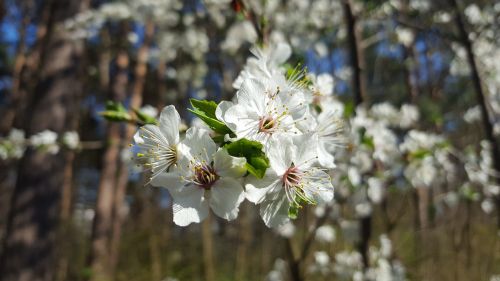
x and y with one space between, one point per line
135 102
100 261
30 242
359 92
356 54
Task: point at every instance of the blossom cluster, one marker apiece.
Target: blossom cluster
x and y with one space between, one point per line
273 145
15 143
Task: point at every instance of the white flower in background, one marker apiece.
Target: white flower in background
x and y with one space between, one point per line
291 180
347 264
405 35
473 114
327 133
265 63
322 263
14 146
451 199
473 14
46 140
149 110
422 173
363 209
325 233
322 85
354 176
205 178
420 5
376 190
385 112
488 206
385 246
286 230
157 145
261 113
238 34
409 115
71 140
278 272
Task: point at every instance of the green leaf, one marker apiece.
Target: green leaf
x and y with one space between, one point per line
293 211
115 111
205 110
146 119
349 109
117 116
257 162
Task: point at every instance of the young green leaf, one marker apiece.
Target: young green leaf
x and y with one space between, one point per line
257 162
205 110
146 119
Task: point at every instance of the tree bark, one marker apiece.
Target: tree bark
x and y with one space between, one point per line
356 54
30 244
135 102
359 91
100 261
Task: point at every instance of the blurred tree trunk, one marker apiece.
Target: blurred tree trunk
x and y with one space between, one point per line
356 54
135 102
30 244
245 238
480 94
15 92
100 262
357 61
208 249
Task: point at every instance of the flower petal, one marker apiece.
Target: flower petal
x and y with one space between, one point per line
228 166
306 150
169 124
319 187
253 95
166 180
198 145
325 158
226 196
189 205
221 110
274 211
257 189
280 154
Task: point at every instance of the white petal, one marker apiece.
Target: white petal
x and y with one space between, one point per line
189 205
167 180
280 154
306 148
226 196
228 166
274 211
257 189
221 110
169 124
325 158
198 145
252 94
319 187
281 53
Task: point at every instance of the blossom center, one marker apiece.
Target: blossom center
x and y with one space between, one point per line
292 177
267 124
205 176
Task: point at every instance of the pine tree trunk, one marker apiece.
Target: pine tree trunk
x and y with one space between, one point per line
100 261
31 238
135 102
